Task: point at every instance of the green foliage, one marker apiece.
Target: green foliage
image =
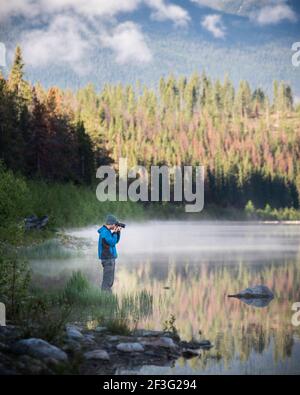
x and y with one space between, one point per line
248 145
250 209
118 326
14 197
170 325
14 281
44 316
272 214
90 303
69 205
76 287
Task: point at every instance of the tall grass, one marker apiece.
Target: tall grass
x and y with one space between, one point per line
91 304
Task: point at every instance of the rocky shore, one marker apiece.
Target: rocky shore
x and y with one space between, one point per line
82 351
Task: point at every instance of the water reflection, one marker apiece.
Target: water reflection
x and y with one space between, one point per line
257 302
190 270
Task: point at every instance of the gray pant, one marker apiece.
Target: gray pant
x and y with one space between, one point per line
108 274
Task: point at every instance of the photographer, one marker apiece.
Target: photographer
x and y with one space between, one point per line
109 236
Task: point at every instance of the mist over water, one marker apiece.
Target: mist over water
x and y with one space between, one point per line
190 268
173 238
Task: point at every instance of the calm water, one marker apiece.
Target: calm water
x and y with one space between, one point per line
190 268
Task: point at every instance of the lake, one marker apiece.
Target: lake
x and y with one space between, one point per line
190 268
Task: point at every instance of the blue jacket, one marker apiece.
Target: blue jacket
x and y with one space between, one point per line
107 243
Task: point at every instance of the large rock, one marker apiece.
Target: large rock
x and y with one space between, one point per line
130 347
97 354
38 348
259 291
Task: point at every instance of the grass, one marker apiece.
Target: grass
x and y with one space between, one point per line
90 304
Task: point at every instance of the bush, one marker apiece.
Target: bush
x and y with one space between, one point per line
14 197
14 281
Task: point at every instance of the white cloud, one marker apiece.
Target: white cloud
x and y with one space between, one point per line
263 12
27 8
63 42
274 14
213 23
90 8
163 11
128 44
93 8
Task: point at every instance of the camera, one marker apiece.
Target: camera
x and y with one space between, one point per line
121 224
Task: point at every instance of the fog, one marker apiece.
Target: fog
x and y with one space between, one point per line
189 268
209 240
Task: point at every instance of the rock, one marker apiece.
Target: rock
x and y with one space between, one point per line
89 340
165 342
97 354
195 345
204 343
259 291
32 365
74 333
38 348
72 346
130 347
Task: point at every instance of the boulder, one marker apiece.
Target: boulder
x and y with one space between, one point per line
258 291
38 348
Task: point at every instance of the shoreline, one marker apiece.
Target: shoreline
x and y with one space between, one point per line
92 351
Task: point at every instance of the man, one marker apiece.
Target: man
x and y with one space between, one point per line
109 236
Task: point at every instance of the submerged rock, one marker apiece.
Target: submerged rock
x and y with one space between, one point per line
259 291
38 348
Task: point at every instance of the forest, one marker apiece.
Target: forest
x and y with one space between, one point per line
248 142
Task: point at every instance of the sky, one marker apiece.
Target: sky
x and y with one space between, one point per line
72 42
